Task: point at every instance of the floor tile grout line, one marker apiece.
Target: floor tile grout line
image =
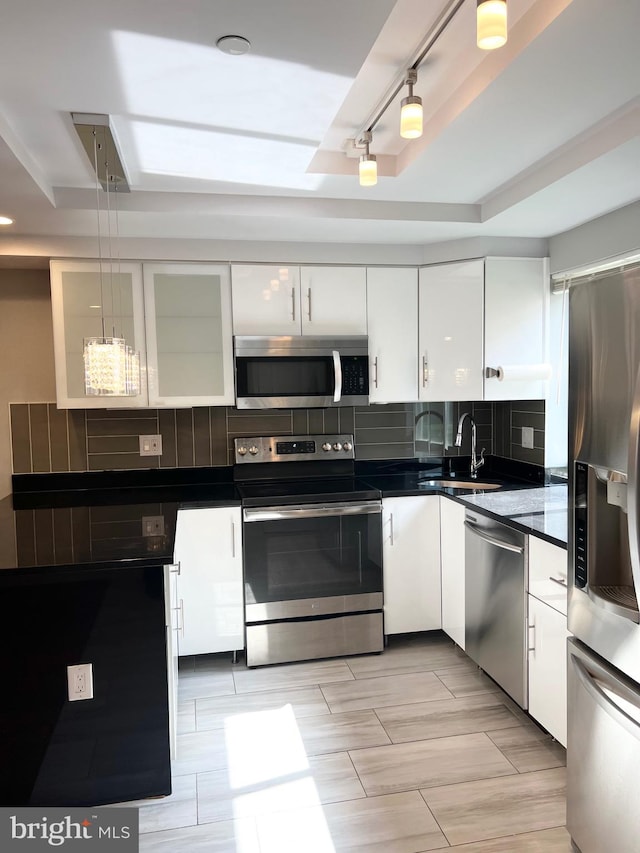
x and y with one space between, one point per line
444 834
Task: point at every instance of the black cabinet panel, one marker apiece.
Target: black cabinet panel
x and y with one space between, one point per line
113 747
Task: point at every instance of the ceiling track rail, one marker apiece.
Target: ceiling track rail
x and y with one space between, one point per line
445 18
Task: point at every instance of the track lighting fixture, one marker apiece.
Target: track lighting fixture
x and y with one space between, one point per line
491 34
368 166
491 23
411 110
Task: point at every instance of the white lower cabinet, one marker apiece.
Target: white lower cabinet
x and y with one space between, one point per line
548 668
210 588
548 636
452 561
411 560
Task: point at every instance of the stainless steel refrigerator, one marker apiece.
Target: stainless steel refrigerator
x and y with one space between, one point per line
603 752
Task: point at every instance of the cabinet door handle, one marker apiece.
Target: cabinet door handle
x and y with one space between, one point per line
375 371
309 298
391 528
180 609
425 370
174 568
293 304
561 581
532 643
233 538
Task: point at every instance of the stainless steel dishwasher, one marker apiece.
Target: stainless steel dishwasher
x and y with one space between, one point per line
495 602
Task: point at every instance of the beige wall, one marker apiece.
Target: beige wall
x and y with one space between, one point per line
26 351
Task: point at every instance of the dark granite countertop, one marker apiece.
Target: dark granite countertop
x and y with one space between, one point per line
524 501
118 519
67 521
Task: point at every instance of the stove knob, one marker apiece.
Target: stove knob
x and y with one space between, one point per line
337 446
347 446
253 450
242 450
326 446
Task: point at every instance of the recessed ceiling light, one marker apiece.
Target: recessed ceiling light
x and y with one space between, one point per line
6 220
234 45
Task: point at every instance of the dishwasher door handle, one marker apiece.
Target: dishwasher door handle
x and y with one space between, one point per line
499 543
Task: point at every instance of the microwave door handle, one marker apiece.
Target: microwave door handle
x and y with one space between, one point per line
337 370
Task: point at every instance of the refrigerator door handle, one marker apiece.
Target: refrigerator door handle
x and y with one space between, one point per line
632 492
605 689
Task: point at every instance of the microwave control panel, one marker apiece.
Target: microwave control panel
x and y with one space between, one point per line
355 375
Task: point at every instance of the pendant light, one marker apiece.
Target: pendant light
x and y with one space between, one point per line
411 110
491 23
111 366
368 166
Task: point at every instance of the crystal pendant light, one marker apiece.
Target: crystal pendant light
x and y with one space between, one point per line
111 366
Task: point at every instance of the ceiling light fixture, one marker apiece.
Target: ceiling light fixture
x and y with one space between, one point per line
6 220
111 366
368 166
491 33
491 23
234 45
411 110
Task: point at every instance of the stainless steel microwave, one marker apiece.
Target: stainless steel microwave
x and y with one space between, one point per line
301 372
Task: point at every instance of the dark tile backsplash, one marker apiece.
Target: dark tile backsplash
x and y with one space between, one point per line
47 439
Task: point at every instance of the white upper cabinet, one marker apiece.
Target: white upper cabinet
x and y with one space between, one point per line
333 300
281 300
189 343
266 299
516 307
392 320
90 302
451 331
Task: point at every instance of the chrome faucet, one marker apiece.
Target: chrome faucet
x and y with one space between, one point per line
475 462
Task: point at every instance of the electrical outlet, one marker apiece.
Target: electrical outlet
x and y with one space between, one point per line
527 437
80 681
150 445
153 525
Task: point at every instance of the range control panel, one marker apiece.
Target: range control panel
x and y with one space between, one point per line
293 448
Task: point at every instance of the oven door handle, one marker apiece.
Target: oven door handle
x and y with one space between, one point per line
281 513
337 371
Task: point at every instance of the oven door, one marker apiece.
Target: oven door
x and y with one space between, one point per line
312 560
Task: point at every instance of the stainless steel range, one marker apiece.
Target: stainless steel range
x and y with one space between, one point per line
312 549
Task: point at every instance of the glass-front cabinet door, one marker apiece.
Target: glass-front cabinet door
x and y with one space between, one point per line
90 300
189 343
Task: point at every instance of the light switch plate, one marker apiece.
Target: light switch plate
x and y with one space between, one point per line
150 445
527 437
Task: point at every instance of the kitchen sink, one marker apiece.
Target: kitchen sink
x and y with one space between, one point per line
462 484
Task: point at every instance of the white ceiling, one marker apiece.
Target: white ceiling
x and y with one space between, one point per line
526 141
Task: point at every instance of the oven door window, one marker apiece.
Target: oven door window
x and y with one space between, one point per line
303 558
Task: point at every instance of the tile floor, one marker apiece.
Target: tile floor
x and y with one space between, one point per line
405 752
